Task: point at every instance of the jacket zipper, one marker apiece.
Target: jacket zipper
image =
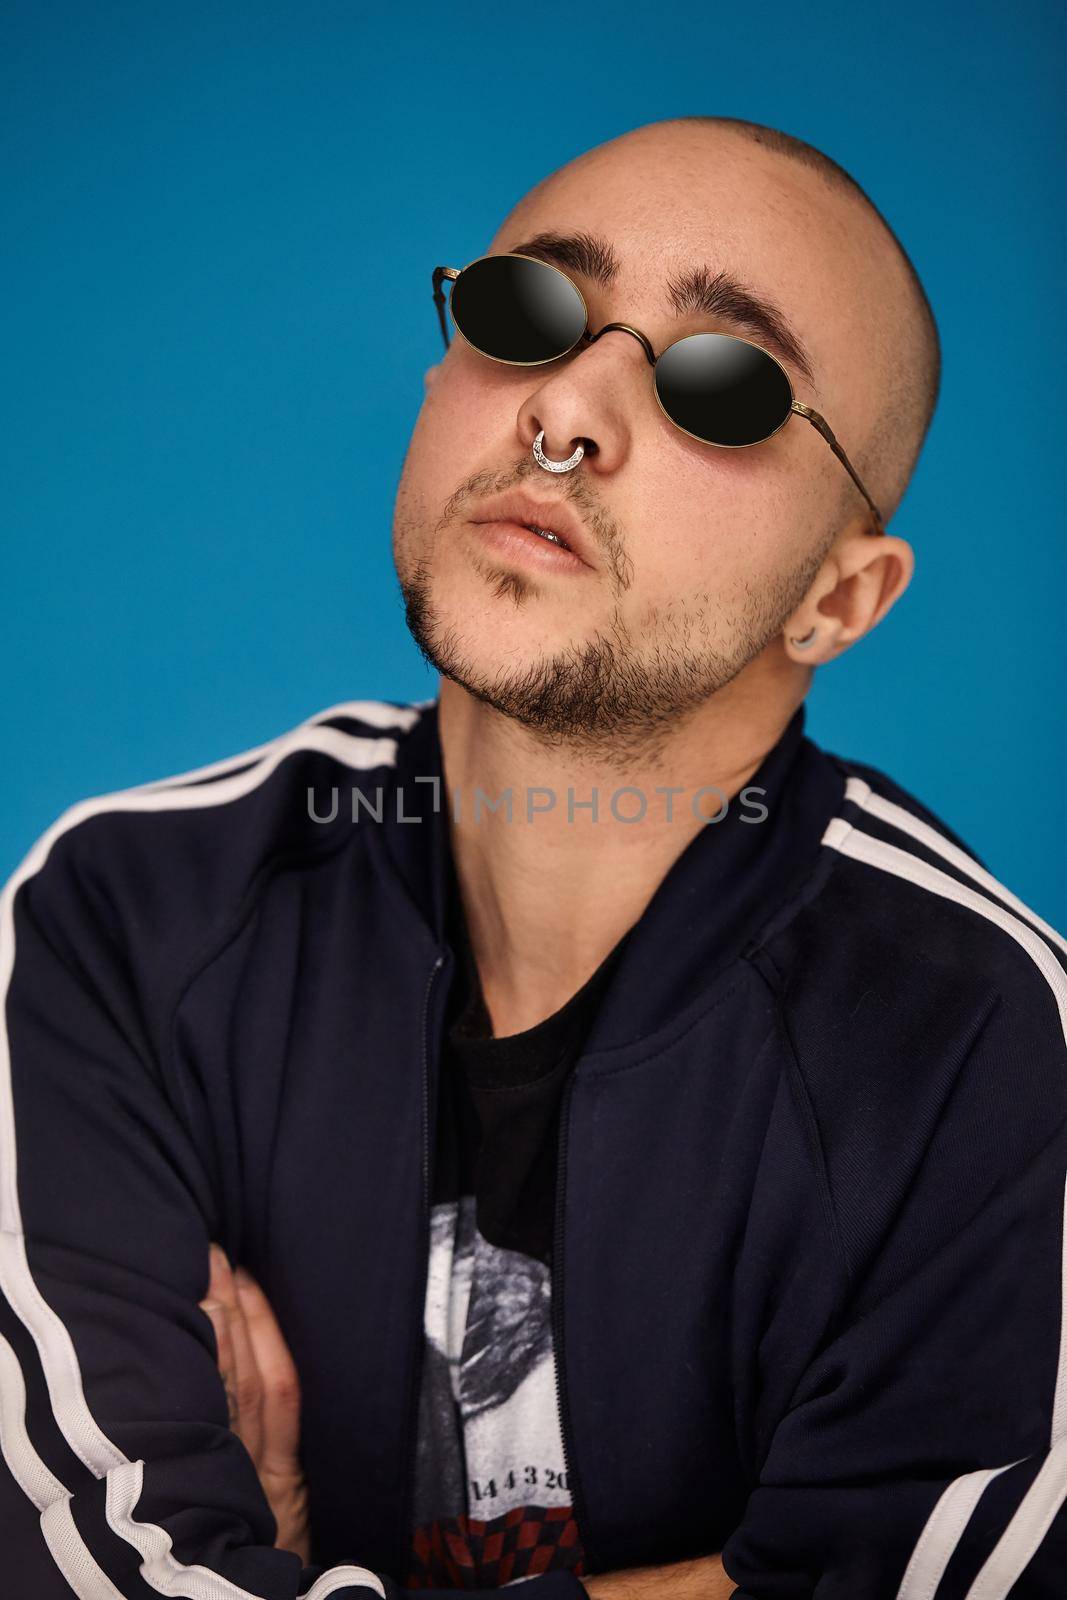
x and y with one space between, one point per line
562 1403
416 1362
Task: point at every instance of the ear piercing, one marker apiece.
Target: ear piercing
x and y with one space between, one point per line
809 638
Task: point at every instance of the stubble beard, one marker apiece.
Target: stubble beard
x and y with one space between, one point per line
603 697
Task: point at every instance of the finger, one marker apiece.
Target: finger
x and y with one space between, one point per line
220 1322
221 1286
221 1293
244 1388
280 1410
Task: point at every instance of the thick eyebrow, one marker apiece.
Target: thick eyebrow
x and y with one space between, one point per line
715 294
580 252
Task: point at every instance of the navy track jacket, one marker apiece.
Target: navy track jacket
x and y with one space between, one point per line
809 1254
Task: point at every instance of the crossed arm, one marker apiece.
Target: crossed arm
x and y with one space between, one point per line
263 1393
903 1448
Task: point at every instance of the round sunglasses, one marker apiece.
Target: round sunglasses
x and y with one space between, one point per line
716 388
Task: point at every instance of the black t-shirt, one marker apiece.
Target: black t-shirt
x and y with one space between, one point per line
492 1502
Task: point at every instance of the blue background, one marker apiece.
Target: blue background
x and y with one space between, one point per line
219 226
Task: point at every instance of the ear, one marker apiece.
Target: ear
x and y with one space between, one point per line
863 575
430 375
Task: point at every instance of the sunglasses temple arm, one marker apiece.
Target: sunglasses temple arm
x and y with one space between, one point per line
821 425
439 296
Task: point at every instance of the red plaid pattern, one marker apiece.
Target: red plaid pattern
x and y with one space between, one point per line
462 1553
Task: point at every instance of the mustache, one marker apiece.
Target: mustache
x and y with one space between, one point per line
602 525
492 481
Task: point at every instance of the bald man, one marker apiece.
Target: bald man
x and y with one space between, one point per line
571 1131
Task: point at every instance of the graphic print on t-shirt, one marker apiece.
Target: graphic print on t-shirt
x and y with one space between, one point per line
492 1501
489 1385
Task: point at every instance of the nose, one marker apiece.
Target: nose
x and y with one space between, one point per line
582 403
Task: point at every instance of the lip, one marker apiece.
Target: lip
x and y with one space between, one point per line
515 541
524 511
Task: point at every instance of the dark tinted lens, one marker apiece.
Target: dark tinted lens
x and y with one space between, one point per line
517 309
722 389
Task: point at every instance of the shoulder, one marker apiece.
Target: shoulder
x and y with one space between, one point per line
931 896
169 860
925 1008
902 913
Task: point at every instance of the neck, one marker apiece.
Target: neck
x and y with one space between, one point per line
549 893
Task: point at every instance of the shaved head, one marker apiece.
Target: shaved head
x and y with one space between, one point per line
901 335
888 458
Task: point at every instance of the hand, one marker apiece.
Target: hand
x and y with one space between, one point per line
702 1579
263 1391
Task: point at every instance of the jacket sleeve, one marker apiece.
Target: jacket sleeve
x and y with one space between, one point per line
120 1477
923 1455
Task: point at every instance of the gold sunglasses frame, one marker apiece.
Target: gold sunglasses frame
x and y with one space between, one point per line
818 422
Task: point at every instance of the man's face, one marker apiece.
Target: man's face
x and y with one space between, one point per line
700 553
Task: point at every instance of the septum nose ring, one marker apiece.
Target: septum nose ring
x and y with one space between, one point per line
572 461
555 466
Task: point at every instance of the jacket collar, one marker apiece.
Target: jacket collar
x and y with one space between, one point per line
728 883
